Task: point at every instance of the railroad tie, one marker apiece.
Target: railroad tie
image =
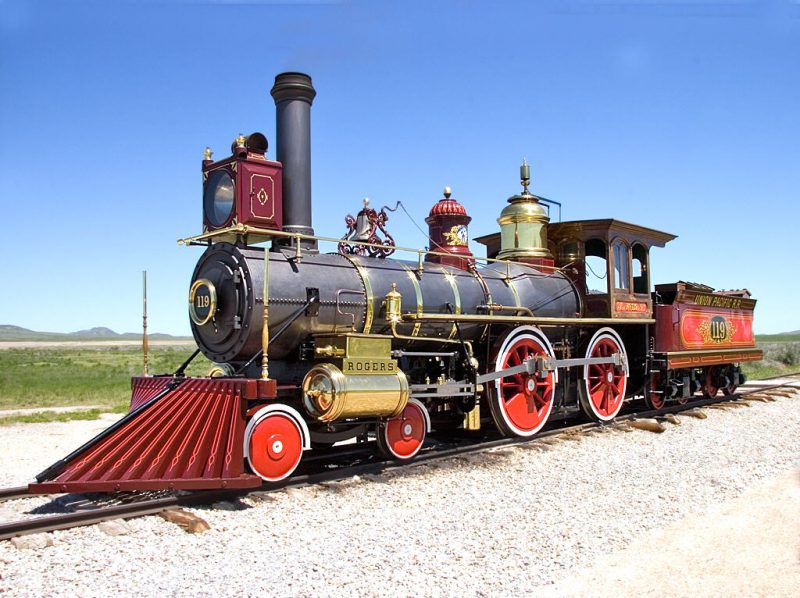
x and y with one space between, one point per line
649 424
189 522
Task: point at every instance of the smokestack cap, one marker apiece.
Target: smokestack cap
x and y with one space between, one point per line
293 86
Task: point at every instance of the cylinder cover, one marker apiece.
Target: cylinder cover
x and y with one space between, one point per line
330 395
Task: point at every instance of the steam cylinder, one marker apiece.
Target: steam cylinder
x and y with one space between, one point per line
351 291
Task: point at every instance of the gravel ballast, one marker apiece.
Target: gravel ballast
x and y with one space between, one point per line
505 522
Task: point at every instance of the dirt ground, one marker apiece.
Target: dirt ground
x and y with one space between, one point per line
749 546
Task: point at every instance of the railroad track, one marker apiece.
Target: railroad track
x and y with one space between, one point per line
142 505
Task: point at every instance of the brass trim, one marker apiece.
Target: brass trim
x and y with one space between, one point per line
418 292
518 218
699 353
329 351
472 419
514 308
510 284
697 359
456 298
487 294
263 203
263 234
369 366
544 321
216 371
330 395
212 308
265 324
364 274
144 324
398 336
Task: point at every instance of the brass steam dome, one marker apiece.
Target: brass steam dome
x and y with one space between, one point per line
523 225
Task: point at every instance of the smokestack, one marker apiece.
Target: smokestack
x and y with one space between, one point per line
293 95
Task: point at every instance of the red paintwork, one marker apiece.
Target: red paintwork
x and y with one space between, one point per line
191 438
694 320
537 262
605 382
525 400
276 445
639 308
447 207
258 193
261 389
445 217
681 327
405 434
144 388
708 357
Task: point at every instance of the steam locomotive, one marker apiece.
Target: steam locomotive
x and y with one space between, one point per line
316 348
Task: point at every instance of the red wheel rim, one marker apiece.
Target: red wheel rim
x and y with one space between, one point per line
525 401
654 396
275 447
605 382
710 389
405 434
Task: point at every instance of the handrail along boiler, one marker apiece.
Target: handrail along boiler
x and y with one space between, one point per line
316 348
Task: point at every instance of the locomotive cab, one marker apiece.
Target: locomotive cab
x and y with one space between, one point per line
608 260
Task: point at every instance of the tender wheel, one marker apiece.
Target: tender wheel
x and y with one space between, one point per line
521 403
710 387
730 387
401 437
655 393
602 389
274 441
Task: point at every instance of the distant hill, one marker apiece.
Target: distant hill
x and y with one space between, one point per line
9 332
793 332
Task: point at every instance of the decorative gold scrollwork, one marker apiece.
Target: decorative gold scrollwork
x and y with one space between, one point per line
363 229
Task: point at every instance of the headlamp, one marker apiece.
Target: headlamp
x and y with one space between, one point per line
218 197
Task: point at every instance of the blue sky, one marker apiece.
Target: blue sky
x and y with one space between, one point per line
682 116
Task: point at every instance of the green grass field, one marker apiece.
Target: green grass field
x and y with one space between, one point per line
781 356
99 378
56 377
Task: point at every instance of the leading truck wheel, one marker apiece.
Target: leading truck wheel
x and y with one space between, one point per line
602 388
274 441
521 403
403 436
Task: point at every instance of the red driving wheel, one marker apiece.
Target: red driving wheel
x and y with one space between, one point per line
602 389
521 403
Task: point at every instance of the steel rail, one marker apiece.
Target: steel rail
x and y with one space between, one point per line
61 521
426 456
13 493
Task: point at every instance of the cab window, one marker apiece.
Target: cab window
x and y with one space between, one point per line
596 266
641 283
621 280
